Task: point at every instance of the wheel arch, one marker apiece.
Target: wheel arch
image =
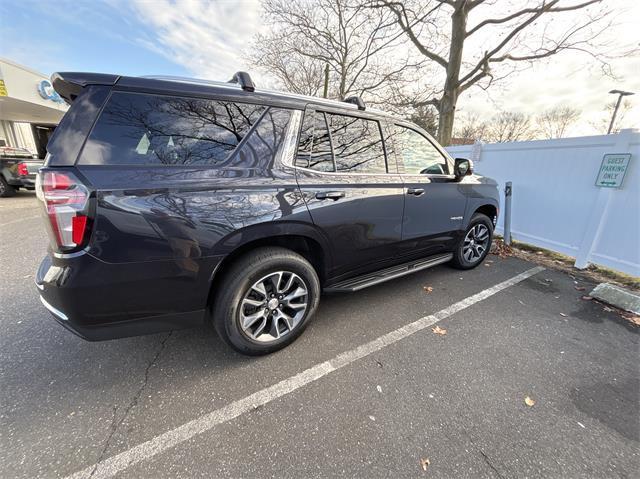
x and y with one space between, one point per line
489 210
303 239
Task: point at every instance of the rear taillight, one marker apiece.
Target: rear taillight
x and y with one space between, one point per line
22 169
66 202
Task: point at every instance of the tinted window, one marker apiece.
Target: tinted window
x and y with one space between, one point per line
260 148
357 144
417 153
303 155
321 155
149 129
68 137
314 147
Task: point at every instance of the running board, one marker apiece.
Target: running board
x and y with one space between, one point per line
369 279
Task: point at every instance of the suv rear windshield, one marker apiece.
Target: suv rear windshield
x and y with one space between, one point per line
141 129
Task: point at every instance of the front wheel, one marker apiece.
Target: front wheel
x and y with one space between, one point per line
265 300
475 244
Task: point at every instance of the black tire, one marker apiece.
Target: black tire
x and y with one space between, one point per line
237 283
462 261
6 190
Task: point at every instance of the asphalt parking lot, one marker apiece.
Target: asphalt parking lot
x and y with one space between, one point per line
369 390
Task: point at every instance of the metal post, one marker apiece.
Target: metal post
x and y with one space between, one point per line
326 81
615 112
507 213
620 94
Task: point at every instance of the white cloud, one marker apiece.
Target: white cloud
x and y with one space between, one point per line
207 38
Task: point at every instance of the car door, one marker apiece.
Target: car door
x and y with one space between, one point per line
342 172
435 202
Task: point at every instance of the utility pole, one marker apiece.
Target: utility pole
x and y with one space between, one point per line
620 94
326 81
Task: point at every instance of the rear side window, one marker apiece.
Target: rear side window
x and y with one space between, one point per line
262 145
314 147
140 129
357 144
68 137
340 143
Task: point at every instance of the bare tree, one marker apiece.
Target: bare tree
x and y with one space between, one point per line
553 123
295 73
518 32
510 126
471 127
355 42
602 125
425 117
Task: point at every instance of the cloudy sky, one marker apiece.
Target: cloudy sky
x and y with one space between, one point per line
207 40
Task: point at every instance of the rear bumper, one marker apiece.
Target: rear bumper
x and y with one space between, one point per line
100 301
28 182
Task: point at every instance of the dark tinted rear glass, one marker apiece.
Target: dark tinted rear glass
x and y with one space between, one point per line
264 142
140 129
357 144
70 134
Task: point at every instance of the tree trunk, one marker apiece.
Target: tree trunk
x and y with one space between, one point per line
447 104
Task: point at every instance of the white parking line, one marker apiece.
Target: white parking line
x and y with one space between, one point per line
113 465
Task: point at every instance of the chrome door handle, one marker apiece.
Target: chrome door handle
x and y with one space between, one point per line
330 195
415 191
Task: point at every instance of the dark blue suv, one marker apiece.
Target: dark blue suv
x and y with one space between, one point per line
173 202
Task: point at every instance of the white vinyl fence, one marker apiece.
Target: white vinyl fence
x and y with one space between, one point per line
556 204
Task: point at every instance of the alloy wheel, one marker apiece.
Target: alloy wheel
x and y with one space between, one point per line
273 306
475 243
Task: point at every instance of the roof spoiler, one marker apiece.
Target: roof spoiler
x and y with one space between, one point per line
244 80
70 84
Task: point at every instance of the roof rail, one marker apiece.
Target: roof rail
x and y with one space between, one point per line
244 80
356 100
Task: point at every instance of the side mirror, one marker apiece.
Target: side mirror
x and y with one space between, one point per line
462 167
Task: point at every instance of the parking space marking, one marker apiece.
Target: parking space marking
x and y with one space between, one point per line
167 440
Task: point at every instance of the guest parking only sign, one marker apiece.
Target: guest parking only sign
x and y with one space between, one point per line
612 170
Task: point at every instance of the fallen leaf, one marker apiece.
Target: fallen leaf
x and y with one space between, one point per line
487 264
528 401
563 315
428 289
587 298
633 318
439 330
424 462
580 288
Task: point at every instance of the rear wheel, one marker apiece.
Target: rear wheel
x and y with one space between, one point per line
6 189
475 244
265 300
